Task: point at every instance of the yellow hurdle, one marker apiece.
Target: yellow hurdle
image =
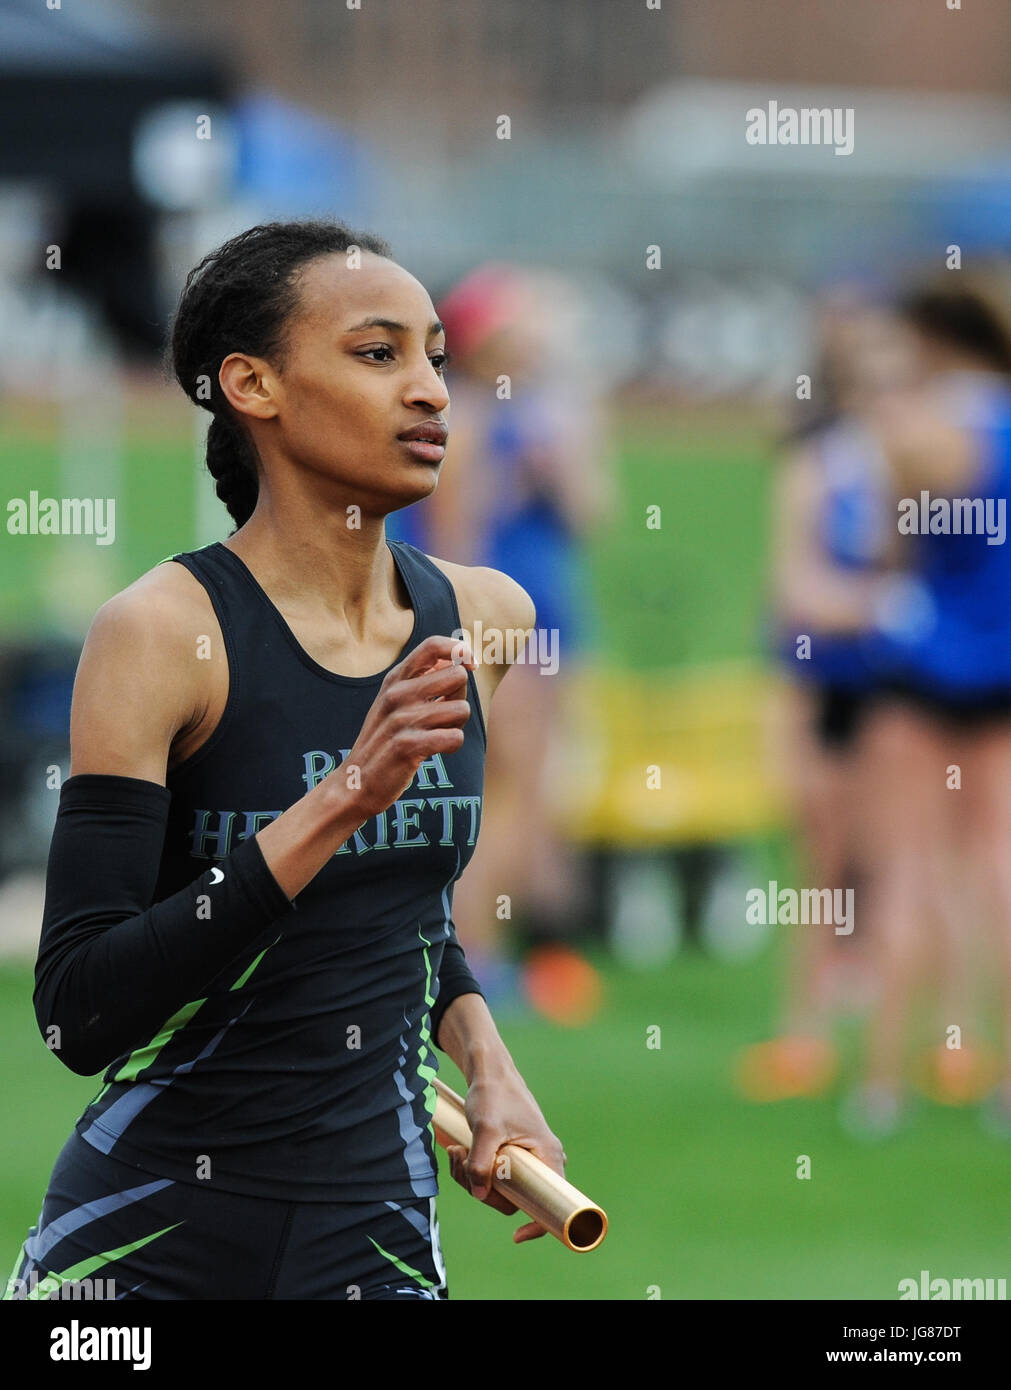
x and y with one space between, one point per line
666 757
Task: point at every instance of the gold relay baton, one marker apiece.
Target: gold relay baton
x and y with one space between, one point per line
535 1188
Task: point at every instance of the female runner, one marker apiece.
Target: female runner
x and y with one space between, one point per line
277 759
830 547
937 749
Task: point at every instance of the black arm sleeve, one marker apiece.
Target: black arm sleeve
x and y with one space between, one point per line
454 979
112 967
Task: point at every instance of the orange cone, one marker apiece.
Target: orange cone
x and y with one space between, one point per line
561 985
787 1068
957 1075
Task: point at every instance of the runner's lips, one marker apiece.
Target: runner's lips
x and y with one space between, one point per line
431 432
425 451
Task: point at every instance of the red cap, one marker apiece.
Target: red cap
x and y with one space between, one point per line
483 302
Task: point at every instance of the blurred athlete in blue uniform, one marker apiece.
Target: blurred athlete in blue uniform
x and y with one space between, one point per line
526 484
829 544
938 785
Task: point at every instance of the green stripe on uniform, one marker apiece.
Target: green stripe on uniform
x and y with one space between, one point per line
81 1271
403 1267
425 1069
144 1056
246 973
6 1295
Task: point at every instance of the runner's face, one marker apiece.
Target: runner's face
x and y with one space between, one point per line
351 385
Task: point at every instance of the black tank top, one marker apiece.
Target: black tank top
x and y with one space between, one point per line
305 1072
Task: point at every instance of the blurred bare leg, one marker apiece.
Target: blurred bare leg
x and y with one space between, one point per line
518 861
968 905
986 787
904 785
823 789
801 1060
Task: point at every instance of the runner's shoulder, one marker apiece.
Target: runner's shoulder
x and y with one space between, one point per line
139 681
489 595
155 620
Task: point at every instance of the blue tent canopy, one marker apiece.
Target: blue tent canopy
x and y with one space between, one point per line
294 162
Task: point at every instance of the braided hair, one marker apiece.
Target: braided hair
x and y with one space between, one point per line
239 299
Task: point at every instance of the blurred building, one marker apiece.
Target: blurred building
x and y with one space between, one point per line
579 60
460 64
868 43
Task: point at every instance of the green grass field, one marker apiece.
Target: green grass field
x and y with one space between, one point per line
701 1188
688 592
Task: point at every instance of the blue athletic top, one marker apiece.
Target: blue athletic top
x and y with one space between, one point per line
305 1070
948 633
526 534
849 533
